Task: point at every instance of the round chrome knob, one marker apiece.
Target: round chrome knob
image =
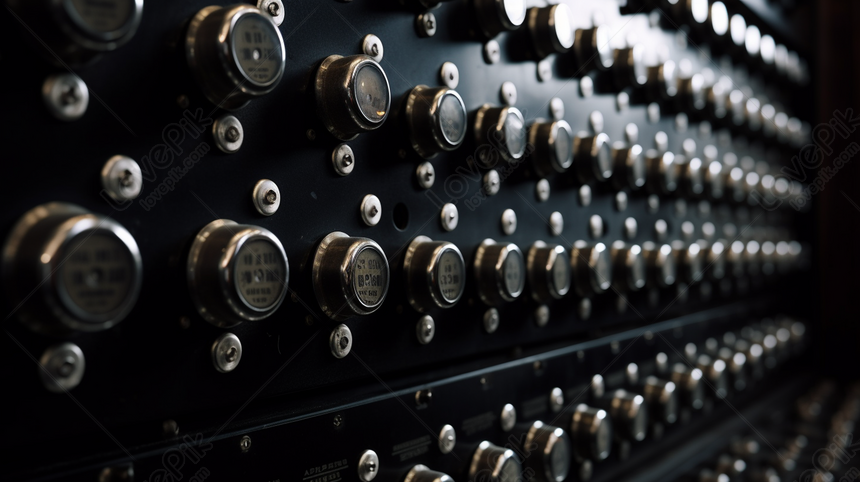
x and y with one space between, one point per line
236 273
435 274
691 387
630 266
691 174
689 260
550 29
67 269
235 54
421 473
547 452
553 151
662 174
352 95
629 66
492 463
436 120
662 81
592 268
504 128
630 170
660 260
548 271
592 48
629 414
500 272
350 276
591 432
662 399
497 16
593 158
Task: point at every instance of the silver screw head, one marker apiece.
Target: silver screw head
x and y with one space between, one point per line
542 190
450 217
622 101
66 96
653 203
491 320
653 112
266 197
61 367
228 133
343 159
372 47
661 142
598 387
492 182
595 119
556 223
585 195
447 439
426 175
556 108
226 352
368 466
509 221
631 227
542 315
508 93
556 400
586 87
275 8
492 52
425 23
509 417
620 201
450 75
121 178
425 329
340 342
544 70
371 210
595 226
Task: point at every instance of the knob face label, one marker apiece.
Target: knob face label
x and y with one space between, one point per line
371 93
260 273
256 48
104 16
370 277
452 119
514 271
450 275
98 273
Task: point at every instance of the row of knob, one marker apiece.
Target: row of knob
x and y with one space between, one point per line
239 273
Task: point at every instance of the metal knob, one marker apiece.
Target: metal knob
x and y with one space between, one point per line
553 146
716 98
629 414
497 16
350 276
235 54
629 265
352 95
662 174
689 260
550 29
662 399
67 269
592 48
630 169
629 67
503 128
593 158
436 120
661 263
691 388
435 274
500 272
692 177
691 94
714 180
236 273
662 82
715 372
421 473
548 271
735 367
547 452
592 268
591 433
492 463
713 256
735 259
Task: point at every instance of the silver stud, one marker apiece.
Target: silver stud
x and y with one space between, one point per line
371 210
492 52
267 197
622 101
631 133
372 47
542 190
542 315
121 178
556 108
631 227
544 70
556 223
585 195
425 329
340 341
368 466
228 133
598 386
660 229
508 93
583 309
274 8
343 159
61 367
226 352
450 75
426 175
689 148
447 439
66 96
661 142
425 24
491 320
595 226
586 87
653 112
509 417
556 400
492 182
509 221
621 201
632 372
653 203
450 217
595 119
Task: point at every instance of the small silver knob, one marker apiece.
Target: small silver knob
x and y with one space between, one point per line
547 452
352 95
593 158
662 174
435 274
504 128
691 174
662 82
551 30
592 268
592 48
690 385
662 399
495 17
714 180
591 432
715 372
689 260
691 94
548 271
492 463
629 414
661 263
714 256
553 146
500 272
629 66
630 168
630 266
436 120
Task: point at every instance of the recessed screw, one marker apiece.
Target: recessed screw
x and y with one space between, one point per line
343 159
271 197
338 420
274 9
232 134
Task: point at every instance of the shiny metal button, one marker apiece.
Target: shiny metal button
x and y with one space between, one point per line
435 274
630 266
500 272
629 168
495 464
436 120
662 399
553 147
235 54
550 29
547 452
548 271
421 473
592 268
691 387
350 276
236 273
591 433
68 269
497 16
629 414
503 128
661 263
593 158
352 95
592 48
661 172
